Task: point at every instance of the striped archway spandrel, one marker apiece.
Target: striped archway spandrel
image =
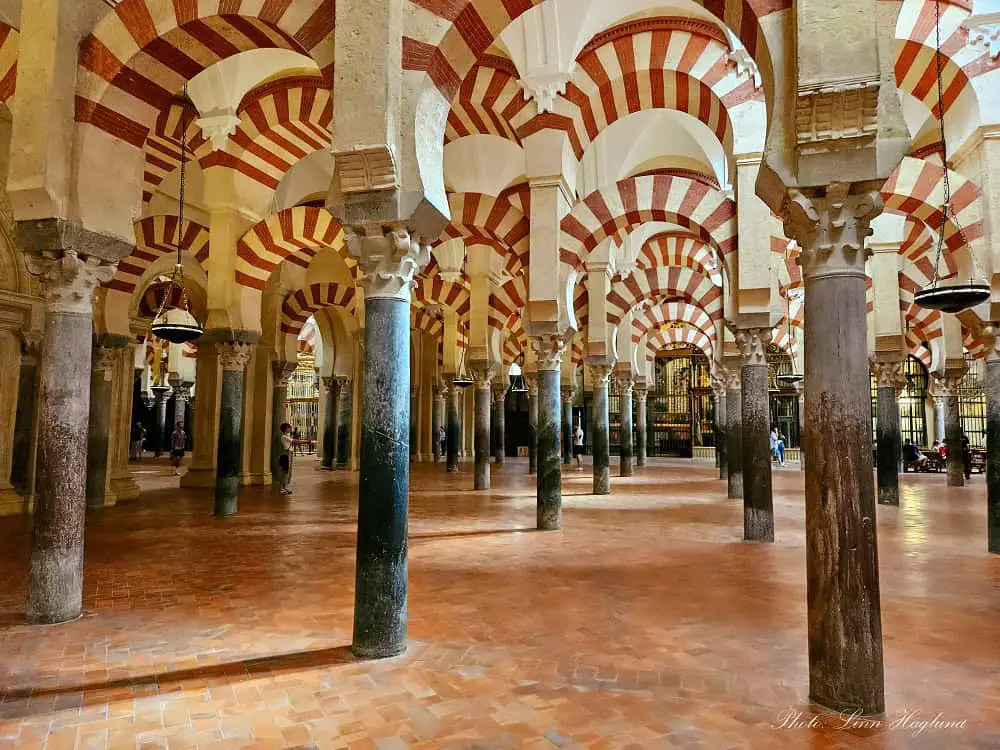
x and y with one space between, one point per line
300 305
156 237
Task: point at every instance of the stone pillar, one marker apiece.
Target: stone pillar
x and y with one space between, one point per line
891 379
55 582
567 423
500 427
282 373
949 387
734 433
721 434
414 419
160 393
991 386
532 382
483 377
625 383
330 426
842 581
758 504
641 393
122 485
233 356
208 378
549 349
25 446
180 400
389 258
436 423
345 424
800 389
103 361
939 429
600 428
10 357
453 425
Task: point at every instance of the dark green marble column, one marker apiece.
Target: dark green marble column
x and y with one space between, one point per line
758 509
454 425
345 424
566 432
722 436
992 389
383 490
641 393
330 417
532 381
549 479
599 430
734 433
483 377
890 377
233 356
102 369
438 406
625 383
500 417
953 430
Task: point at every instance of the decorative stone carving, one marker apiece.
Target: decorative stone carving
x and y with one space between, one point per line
500 389
67 281
482 375
103 363
31 342
366 169
531 382
544 89
328 382
390 257
986 34
753 345
234 355
624 381
890 375
831 228
745 65
734 379
344 381
217 127
599 373
949 385
282 372
837 117
641 391
549 350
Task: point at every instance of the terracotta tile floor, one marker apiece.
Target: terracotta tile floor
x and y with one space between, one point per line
646 623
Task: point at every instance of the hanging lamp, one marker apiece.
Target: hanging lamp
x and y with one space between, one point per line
789 378
462 379
517 382
175 323
949 299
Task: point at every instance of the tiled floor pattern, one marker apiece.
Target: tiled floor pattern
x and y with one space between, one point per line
645 623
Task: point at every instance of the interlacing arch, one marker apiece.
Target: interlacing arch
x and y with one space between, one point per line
705 211
916 349
302 304
489 102
295 234
280 124
681 250
666 313
664 338
162 147
669 284
507 303
156 237
9 44
141 54
494 221
919 247
422 321
431 289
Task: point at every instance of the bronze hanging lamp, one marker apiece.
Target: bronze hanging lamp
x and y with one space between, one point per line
951 298
175 323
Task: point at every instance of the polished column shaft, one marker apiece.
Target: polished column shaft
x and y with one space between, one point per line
625 440
567 425
233 356
758 508
641 426
98 470
453 427
953 433
500 426
722 433
282 372
483 377
549 480
345 424
532 381
992 388
734 435
330 417
436 424
890 378
600 429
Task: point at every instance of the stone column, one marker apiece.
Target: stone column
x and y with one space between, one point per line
55 582
948 388
567 423
483 377
500 427
345 424
282 373
436 423
939 428
532 382
800 389
233 356
389 258
10 357
180 401
103 360
330 426
549 349
25 446
160 393
205 416
453 425
842 581
414 419
625 383
991 386
641 393
758 504
734 433
600 428
721 434
891 379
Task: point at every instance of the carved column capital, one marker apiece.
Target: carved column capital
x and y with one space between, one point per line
389 256
948 385
991 336
831 226
66 281
549 351
567 392
599 373
641 392
753 345
624 381
734 380
890 375
531 382
500 388
31 342
160 393
482 375
282 372
103 362
344 381
234 355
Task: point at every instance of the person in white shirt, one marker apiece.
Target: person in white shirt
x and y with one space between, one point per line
578 444
285 458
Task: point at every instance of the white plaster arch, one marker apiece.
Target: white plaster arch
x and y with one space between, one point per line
308 177
482 164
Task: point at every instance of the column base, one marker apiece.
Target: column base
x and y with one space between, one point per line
124 489
198 478
255 480
13 504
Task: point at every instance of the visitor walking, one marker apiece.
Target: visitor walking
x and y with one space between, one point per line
285 458
178 444
966 457
774 445
780 446
578 445
136 439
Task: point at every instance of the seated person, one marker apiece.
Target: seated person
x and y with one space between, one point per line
940 448
913 456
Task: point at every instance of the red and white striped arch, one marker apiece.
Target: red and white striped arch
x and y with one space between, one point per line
672 284
162 148
681 250
9 45
141 53
476 25
280 124
658 316
489 102
916 349
692 204
914 276
919 247
295 234
507 303
156 237
422 321
916 189
494 221
660 63
302 304
431 289
662 338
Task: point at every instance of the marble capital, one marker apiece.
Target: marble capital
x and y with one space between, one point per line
831 225
549 350
482 375
890 375
753 345
599 373
31 342
948 385
624 381
282 372
531 382
389 256
67 281
641 391
500 388
990 334
103 362
234 355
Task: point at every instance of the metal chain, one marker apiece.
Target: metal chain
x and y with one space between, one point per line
946 203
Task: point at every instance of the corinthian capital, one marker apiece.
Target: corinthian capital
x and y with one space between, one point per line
753 344
831 226
482 375
103 363
991 337
234 355
890 375
500 388
390 257
949 385
67 281
549 350
599 373
282 372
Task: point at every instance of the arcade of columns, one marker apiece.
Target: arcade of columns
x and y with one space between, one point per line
446 191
